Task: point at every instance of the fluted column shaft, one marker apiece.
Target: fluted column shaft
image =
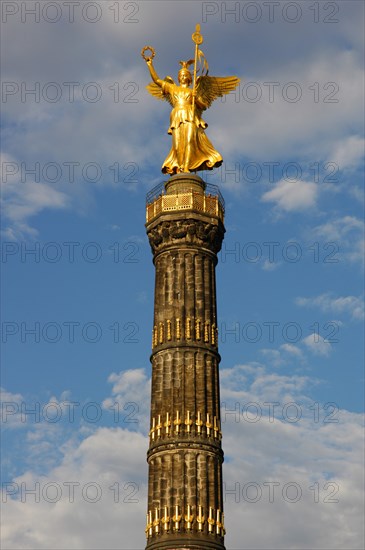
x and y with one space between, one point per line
185 507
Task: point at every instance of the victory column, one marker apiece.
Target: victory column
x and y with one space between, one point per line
185 227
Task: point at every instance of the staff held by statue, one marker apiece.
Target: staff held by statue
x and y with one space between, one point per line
197 39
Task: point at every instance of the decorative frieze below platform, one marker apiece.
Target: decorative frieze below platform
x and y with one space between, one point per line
177 520
191 232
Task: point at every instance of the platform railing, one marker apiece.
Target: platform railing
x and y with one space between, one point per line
209 202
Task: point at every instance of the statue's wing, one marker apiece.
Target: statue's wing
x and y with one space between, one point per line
157 92
211 87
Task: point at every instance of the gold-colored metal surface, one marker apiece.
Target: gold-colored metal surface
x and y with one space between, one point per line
160 520
200 519
208 204
167 424
189 517
206 331
161 339
191 149
188 422
165 520
176 518
188 328
177 423
211 520
156 523
152 430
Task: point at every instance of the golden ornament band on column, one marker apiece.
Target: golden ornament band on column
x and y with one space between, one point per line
159 426
177 423
149 528
211 520
199 423
163 332
214 334
188 328
156 523
176 518
216 428
206 332
189 519
165 520
218 524
188 422
167 424
211 428
161 522
200 518
178 329
209 425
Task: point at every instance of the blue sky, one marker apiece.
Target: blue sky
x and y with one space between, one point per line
79 155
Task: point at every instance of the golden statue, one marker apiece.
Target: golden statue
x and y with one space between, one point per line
191 149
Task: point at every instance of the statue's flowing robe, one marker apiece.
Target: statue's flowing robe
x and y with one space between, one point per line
191 149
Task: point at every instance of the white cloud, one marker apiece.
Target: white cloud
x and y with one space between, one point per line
293 350
253 382
22 200
305 452
289 448
348 152
290 445
78 53
312 128
347 233
292 196
352 305
115 130
282 356
296 460
131 391
109 466
339 228
317 344
10 409
129 383
273 357
270 266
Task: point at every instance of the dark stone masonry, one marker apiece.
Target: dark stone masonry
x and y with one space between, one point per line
185 505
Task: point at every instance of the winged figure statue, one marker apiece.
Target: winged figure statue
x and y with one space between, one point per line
191 149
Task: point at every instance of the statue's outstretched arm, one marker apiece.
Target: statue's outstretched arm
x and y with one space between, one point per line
156 79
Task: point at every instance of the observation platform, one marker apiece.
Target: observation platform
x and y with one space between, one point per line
185 192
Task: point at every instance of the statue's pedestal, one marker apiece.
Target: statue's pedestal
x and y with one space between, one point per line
185 182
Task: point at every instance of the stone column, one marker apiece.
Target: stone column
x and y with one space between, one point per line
185 508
